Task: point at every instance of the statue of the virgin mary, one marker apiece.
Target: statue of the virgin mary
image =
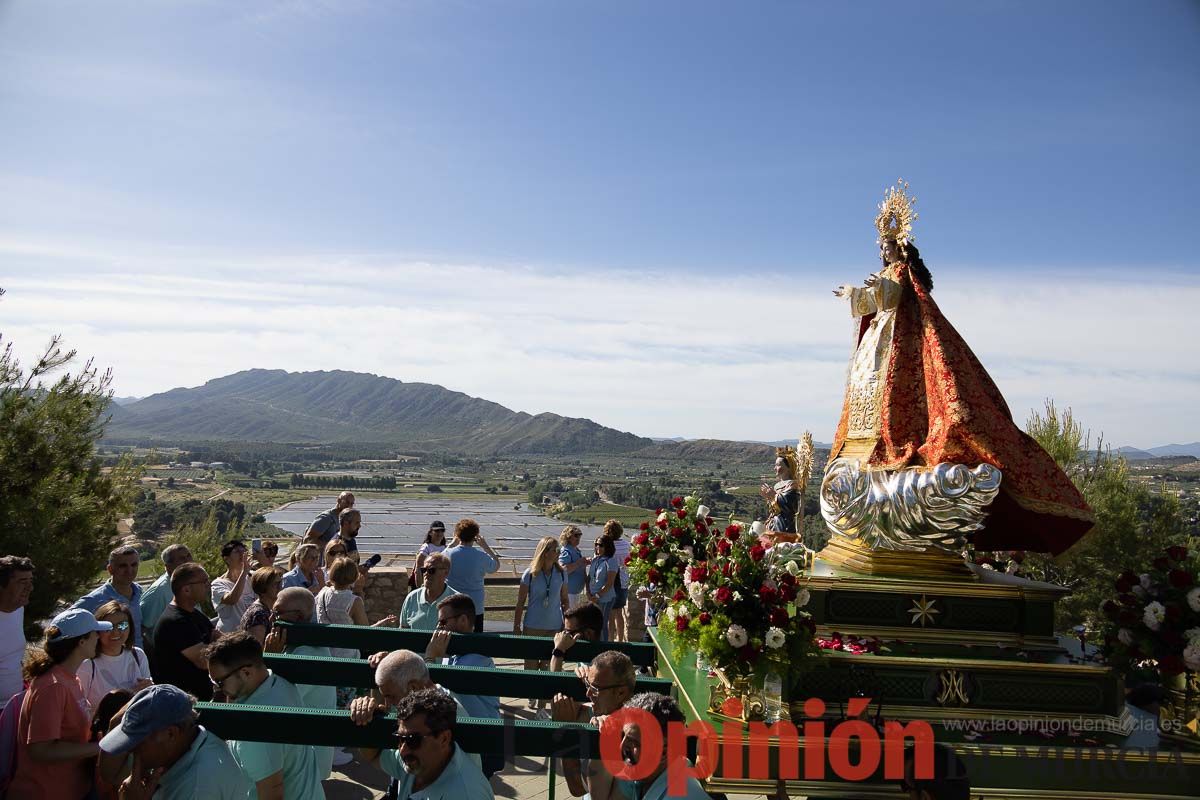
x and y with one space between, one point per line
926 450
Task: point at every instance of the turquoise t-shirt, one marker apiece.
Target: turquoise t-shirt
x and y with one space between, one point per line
577 580
543 607
155 600
461 778
468 565
206 770
598 576
657 790
317 696
415 613
261 760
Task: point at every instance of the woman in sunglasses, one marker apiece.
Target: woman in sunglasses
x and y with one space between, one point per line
118 664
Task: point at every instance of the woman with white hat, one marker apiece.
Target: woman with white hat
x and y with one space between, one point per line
54 754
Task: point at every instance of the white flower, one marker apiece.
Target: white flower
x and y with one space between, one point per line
662 559
736 636
1154 615
1192 635
1193 598
988 566
757 528
1125 636
662 517
671 613
737 597
1145 581
1191 656
1012 568
1138 592
792 568
802 598
686 551
696 592
701 512
775 638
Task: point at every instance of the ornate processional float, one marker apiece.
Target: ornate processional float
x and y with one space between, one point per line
926 461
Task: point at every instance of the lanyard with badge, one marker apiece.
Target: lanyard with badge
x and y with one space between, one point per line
546 599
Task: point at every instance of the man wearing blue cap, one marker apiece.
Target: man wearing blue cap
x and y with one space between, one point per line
173 754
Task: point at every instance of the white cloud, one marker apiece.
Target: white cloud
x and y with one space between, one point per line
742 356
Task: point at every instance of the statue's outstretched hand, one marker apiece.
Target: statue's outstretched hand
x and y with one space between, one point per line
842 291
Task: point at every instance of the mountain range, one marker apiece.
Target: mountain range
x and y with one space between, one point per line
299 407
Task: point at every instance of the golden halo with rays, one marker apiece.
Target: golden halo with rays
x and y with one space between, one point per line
896 215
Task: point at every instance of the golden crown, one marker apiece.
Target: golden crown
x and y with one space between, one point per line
896 215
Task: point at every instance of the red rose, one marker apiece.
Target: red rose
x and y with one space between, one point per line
808 625
723 546
658 542
657 512
768 594
1161 563
1172 612
641 538
1128 600
1180 578
749 653
700 527
733 532
645 526
681 567
757 552
682 513
680 594
1171 665
681 623
727 568
662 524
1126 581
677 502
787 579
627 560
705 617
699 573
643 552
788 592
1177 552
653 575
708 520
778 617
723 595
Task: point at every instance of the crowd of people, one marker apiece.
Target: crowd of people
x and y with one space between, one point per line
105 708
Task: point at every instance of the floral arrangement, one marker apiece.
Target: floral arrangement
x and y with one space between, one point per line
1156 615
725 596
663 549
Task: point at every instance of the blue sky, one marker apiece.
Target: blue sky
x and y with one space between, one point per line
557 205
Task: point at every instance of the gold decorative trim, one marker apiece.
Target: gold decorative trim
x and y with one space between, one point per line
853 555
944 636
971 664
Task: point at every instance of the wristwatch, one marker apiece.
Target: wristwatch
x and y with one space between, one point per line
558 653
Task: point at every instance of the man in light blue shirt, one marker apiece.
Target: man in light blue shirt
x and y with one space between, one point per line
419 610
160 730
428 764
454 616
122 569
158 596
236 667
297 605
468 565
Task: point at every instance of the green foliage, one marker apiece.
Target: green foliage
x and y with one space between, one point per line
204 539
380 482
1133 524
59 506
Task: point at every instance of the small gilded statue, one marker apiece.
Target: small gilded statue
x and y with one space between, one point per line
786 498
926 450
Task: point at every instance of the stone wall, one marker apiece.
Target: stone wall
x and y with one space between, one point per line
384 591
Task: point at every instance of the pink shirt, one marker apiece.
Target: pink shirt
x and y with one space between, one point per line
54 709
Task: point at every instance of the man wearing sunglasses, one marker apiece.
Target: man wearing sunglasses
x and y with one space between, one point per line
427 762
277 770
420 608
183 632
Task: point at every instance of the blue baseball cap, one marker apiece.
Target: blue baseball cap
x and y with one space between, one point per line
77 622
152 709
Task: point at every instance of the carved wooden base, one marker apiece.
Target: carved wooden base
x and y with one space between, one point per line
853 555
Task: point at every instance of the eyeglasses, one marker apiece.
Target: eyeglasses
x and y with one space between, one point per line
442 623
592 688
413 740
120 626
219 683
575 631
428 570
